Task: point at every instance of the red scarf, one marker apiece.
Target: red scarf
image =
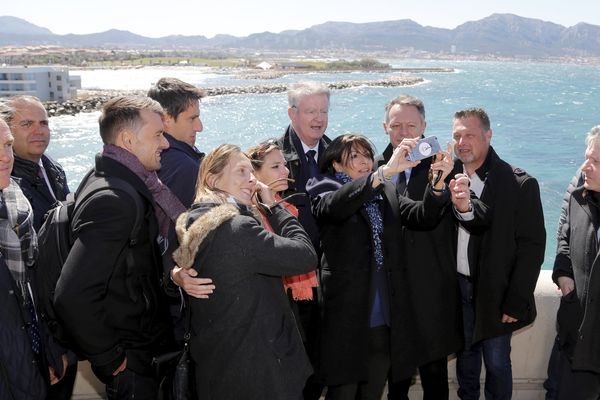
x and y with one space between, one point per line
301 285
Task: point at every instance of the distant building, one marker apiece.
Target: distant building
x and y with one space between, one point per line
264 65
47 83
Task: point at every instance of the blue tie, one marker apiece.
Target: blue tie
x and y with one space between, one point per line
313 170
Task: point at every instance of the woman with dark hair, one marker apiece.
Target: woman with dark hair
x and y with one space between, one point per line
244 339
359 217
270 168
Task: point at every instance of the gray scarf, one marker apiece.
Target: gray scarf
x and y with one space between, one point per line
18 241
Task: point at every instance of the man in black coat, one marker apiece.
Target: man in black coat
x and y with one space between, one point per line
303 145
44 183
427 261
42 179
23 371
574 266
109 295
179 167
498 265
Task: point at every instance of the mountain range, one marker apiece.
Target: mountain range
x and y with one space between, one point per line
498 34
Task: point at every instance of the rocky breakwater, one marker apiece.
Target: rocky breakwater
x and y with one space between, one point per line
92 100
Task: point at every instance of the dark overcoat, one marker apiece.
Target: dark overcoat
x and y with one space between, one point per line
245 341
20 372
36 190
506 256
429 260
577 258
347 264
112 308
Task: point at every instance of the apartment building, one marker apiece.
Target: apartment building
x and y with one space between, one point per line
47 83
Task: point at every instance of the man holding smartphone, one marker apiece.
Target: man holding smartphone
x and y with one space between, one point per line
429 263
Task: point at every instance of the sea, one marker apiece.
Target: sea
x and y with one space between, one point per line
540 114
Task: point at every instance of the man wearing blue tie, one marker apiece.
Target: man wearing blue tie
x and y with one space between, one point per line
303 143
429 262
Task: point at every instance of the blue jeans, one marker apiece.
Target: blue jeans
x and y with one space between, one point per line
130 385
495 352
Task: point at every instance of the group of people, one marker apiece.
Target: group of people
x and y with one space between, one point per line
297 268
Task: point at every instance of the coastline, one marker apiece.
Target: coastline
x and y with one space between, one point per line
92 100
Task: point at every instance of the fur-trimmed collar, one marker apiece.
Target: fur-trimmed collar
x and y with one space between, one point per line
191 237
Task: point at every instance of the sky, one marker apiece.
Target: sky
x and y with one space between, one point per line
154 18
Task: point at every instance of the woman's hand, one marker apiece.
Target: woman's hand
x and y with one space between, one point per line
398 161
442 164
266 195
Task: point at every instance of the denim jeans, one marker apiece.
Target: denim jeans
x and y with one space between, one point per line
130 385
495 352
551 383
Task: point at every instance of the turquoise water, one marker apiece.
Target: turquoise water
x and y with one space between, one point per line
540 114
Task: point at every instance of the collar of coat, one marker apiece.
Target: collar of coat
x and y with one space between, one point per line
191 236
482 171
175 143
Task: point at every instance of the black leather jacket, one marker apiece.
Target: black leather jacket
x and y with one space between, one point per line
36 190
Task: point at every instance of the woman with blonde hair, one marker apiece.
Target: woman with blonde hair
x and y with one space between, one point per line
244 339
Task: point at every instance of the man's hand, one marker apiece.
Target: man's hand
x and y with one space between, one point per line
121 368
195 287
55 378
507 319
461 195
566 285
442 162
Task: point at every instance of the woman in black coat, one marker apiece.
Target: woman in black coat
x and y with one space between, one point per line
366 324
244 338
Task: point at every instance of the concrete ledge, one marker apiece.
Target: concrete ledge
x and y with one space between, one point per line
530 353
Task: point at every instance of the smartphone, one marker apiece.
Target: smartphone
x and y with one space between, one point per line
425 148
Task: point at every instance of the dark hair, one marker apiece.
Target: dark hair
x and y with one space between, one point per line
175 95
120 113
405 100
257 153
340 148
478 113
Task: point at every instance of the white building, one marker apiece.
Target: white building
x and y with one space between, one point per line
46 83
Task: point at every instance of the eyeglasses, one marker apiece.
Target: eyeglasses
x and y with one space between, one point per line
313 113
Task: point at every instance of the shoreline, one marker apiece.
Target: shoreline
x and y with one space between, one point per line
92 100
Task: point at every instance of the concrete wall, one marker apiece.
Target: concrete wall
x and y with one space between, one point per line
530 352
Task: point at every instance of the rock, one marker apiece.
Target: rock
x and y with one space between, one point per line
92 100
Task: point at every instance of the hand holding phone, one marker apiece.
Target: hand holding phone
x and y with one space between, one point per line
425 148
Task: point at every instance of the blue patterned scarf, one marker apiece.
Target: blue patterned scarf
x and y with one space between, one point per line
374 213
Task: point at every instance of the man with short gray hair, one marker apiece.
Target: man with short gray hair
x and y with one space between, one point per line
303 143
574 266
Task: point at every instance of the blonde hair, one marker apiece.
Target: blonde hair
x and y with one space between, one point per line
211 169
